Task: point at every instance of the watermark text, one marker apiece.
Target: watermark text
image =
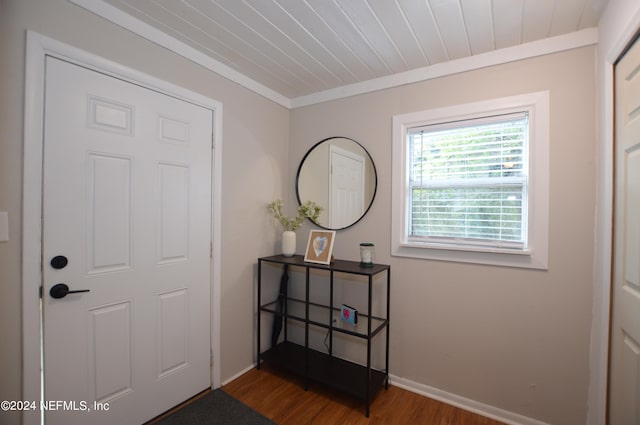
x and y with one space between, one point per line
53 405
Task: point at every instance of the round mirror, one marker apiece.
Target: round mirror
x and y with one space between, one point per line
339 175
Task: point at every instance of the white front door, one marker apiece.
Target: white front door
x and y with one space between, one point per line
126 216
346 197
624 379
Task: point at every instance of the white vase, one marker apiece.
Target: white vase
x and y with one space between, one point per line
288 243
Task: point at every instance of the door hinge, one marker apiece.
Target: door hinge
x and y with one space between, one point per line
40 291
213 141
210 357
210 249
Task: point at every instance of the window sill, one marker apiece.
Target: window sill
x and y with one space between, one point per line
459 248
530 259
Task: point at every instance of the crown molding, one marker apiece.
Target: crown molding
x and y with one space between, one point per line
136 26
586 37
546 46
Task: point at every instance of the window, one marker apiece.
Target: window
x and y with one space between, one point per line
470 182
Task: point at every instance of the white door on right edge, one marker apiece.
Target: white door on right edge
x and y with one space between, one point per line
624 373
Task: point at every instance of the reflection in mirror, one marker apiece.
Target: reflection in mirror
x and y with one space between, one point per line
339 175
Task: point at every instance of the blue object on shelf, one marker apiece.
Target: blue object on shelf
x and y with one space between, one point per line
349 314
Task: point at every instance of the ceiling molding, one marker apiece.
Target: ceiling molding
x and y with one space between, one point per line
144 30
546 46
560 43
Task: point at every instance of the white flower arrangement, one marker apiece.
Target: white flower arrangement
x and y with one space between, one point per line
309 210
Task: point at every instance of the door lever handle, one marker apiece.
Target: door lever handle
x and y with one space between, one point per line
60 290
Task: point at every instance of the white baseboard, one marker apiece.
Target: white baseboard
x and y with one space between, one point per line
468 404
464 403
237 375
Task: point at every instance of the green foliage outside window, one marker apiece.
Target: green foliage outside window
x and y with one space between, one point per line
469 182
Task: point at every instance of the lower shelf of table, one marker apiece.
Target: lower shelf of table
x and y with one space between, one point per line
345 376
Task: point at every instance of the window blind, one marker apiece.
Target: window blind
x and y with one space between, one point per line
468 182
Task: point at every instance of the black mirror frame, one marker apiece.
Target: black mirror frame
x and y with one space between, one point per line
375 176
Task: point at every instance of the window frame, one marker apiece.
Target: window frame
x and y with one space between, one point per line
535 255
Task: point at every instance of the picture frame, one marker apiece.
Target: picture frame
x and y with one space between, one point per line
320 246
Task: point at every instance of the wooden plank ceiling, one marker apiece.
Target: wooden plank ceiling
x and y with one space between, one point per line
299 47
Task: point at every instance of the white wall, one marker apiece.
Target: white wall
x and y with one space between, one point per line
255 158
513 339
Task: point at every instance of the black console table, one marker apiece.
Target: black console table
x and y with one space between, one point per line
359 380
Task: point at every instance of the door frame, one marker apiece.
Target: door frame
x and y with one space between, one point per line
612 45
38 47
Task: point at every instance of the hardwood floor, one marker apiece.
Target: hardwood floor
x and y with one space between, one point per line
282 398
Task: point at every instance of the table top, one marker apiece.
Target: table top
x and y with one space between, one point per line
354 267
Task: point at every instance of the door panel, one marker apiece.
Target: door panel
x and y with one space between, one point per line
624 379
127 199
173 341
109 213
110 351
174 212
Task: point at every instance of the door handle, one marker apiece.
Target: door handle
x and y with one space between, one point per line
60 290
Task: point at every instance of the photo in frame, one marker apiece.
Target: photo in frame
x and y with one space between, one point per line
320 246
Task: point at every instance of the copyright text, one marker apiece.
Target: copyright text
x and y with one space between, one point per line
53 405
